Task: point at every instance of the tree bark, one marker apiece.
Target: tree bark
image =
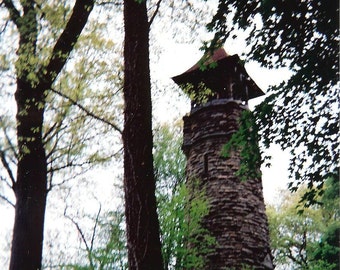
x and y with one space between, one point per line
30 188
144 248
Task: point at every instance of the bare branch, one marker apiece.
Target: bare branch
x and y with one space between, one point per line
12 147
302 249
53 148
87 112
57 137
7 200
13 12
49 131
9 141
115 3
7 168
6 182
82 235
155 13
95 226
68 165
4 27
72 177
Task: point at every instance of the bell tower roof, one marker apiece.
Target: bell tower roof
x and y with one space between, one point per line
223 74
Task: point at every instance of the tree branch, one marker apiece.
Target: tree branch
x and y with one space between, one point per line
95 226
65 180
49 131
7 200
68 165
88 248
4 126
115 3
7 167
4 27
155 13
53 148
302 249
88 113
66 41
14 14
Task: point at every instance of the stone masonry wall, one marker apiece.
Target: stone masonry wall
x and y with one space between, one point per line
237 216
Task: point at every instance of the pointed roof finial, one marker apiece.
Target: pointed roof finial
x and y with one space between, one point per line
208 59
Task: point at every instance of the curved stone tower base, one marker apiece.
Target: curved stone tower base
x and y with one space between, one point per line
237 217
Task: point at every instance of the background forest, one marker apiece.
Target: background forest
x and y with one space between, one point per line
63 68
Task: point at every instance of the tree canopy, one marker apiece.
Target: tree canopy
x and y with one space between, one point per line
301 113
307 240
41 68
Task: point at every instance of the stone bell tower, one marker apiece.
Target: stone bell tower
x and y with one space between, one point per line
237 217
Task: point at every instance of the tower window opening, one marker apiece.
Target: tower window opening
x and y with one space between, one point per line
205 164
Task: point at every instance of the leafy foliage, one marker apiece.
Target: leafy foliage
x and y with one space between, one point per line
69 143
184 240
110 251
114 254
300 114
247 144
169 160
181 207
309 240
199 94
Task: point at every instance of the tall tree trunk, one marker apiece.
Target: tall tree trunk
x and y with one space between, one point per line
144 248
33 80
31 184
30 188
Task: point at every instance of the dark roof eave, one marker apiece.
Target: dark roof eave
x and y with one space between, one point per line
196 75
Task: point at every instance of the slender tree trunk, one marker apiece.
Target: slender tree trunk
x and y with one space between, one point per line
144 248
